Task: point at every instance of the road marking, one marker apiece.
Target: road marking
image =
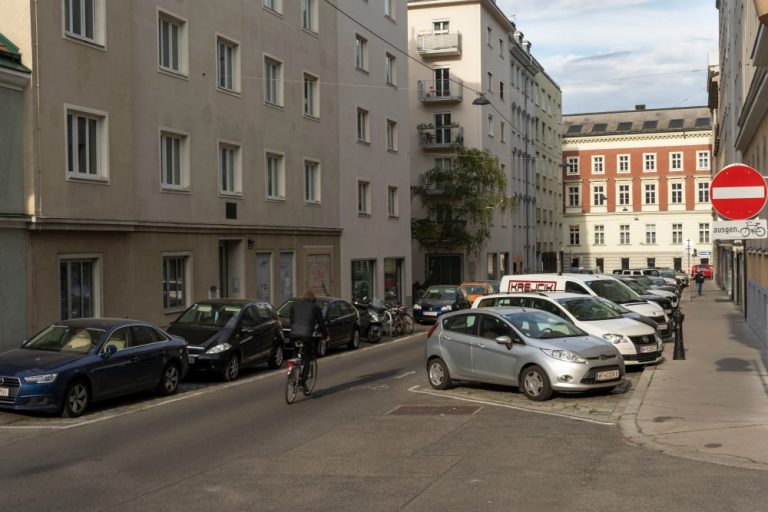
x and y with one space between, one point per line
403 375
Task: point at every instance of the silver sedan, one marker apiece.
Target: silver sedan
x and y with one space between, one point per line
536 351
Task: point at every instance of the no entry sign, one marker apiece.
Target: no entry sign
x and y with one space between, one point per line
738 192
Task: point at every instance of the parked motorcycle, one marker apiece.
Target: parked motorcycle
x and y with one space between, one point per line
370 319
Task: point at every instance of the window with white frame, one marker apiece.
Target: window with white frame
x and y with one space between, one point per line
362 125
598 164
649 162
676 161
361 52
702 160
273 5
704 232
599 234
703 195
572 165
490 81
677 233
622 163
84 19
87 144
624 195
273 81
624 234
228 64
229 168
311 181
650 193
393 204
573 196
440 27
172 43
598 195
390 69
363 198
573 235
676 193
175 287
311 96
309 15
391 135
275 174
650 233
502 131
80 291
173 160
490 125
501 90
489 36
389 9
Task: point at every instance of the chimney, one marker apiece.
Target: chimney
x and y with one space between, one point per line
640 107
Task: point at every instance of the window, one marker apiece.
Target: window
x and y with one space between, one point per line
363 278
650 262
501 47
676 161
649 162
702 160
393 279
361 53
622 163
573 196
624 234
703 196
391 135
598 164
489 34
389 9
363 198
86 144
78 288
624 197
393 206
501 90
650 193
362 125
264 276
598 195
677 193
84 19
172 43
443 164
173 160
677 233
287 287
490 82
311 181
311 96
273 82
650 233
490 125
175 281
275 176
704 232
391 69
273 5
309 15
229 169
502 131
572 165
440 27
229 64
573 235
600 235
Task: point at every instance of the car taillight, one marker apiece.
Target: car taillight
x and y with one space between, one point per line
432 329
291 363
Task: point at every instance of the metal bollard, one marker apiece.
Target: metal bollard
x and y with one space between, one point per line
679 352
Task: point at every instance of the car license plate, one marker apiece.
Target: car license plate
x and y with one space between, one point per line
5 392
607 375
191 358
430 313
663 327
647 348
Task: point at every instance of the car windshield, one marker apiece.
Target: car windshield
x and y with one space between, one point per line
588 309
613 306
667 273
636 287
614 291
212 315
65 338
440 293
542 325
473 289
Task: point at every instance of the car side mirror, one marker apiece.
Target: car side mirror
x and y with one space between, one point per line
111 349
504 340
24 342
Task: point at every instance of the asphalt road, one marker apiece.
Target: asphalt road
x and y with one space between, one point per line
368 439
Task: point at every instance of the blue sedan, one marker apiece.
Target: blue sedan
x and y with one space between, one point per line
72 363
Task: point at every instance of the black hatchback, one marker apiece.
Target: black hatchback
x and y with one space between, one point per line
340 316
225 335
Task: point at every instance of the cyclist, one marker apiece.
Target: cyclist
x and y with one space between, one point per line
305 315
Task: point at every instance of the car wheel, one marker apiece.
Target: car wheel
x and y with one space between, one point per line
322 348
232 368
169 382
277 356
76 399
535 384
354 341
437 371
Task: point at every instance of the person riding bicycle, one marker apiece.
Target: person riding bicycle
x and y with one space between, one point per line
305 315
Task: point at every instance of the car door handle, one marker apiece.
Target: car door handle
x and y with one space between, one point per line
135 359
480 345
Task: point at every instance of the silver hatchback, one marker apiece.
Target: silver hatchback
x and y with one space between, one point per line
536 351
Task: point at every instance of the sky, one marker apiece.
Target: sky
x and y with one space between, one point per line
610 55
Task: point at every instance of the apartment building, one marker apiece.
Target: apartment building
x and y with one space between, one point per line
463 51
374 162
174 151
636 188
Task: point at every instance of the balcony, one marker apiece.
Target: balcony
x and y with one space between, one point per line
441 91
429 187
441 137
439 45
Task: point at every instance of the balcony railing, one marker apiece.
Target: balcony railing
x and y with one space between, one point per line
439 44
444 91
440 137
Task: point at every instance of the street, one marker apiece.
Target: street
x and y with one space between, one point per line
374 436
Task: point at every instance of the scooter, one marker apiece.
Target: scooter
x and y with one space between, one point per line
370 319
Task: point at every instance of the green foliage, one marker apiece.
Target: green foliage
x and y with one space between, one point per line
460 201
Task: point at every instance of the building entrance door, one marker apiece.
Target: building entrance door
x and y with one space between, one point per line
444 269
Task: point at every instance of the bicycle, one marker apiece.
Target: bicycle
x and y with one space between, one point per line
295 367
402 321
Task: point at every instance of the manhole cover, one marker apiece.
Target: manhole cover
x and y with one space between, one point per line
435 410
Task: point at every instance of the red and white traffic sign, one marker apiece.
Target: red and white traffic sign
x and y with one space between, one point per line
738 192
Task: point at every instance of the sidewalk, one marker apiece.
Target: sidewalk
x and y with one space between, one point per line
712 406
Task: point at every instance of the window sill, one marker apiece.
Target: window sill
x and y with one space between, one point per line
310 117
313 33
175 190
390 19
393 217
366 215
275 199
274 106
230 195
272 11
362 70
96 180
392 85
363 142
311 203
229 92
181 75
90 43
393 151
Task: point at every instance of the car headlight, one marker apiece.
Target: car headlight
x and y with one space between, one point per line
446 308
563 355
218 349
658 338
615 338
417 307
41 379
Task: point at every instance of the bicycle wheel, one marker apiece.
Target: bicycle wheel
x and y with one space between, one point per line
397 325
312 378
407 324
291 386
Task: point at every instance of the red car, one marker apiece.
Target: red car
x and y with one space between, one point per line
705 268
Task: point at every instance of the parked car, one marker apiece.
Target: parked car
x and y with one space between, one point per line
536 351
438 299
638 343
225 335
475 289
340 316
626 313
667 300
705 268
73 363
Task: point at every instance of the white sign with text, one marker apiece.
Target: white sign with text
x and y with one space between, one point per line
740 229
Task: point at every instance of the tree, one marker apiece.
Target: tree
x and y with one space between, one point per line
460 201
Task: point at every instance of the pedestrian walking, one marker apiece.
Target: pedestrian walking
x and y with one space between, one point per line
699 280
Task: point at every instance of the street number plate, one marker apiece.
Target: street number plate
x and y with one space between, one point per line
647 348
430 313
5 392
607 375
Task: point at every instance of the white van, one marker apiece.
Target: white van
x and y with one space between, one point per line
601 285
